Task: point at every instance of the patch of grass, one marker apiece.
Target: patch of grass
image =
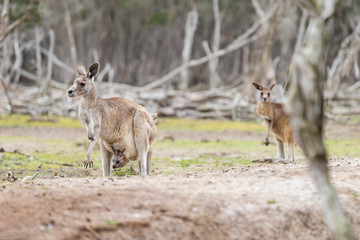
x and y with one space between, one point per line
207 125
355 194
354 119
271 202
170 166
110 223
188 144
64 158
126 171
16 120
58 156
343 148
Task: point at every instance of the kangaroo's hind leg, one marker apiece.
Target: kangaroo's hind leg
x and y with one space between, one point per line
106 156
291 154
280 150
142 147
148 163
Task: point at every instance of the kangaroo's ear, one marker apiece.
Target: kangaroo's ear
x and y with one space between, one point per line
93 70
81 70
257 86
122 153
272 85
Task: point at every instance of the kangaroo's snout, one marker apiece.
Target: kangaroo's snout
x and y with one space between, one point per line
70 93
116 164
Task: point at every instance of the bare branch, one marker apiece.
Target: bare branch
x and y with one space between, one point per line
15 24
240 41
58 62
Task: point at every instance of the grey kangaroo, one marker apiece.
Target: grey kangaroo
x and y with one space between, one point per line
118 123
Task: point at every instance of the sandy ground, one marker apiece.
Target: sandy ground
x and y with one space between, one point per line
261 201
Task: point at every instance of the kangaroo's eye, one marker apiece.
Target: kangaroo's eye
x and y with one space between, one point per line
82 84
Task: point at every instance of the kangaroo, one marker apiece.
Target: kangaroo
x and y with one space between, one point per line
277 122
117 122
118 158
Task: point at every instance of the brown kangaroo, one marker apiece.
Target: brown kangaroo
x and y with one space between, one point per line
118 123
277 122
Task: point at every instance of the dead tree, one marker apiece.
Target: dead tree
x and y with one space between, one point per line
70 33
306 108
345 59
45 84
6 29
247 37
214 78
190 28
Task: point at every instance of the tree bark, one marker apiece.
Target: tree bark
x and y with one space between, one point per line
306 109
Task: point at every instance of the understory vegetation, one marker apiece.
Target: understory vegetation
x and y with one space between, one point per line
173 153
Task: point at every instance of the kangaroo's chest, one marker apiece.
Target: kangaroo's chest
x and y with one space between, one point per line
85 114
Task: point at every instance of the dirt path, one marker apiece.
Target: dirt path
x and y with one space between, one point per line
261 201
268 201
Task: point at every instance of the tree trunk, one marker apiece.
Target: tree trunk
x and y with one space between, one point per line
47 80
70 33
190 28
213 64
306 108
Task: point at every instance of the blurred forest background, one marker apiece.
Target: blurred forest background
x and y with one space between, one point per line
178 58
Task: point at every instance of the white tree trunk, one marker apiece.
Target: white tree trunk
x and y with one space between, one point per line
38 38
215 79
70 33
46 82
306 109
190 28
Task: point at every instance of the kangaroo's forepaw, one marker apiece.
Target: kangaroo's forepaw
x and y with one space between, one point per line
88 163
267 142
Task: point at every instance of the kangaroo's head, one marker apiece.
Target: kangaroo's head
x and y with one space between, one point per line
118 158
265 92
82 84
